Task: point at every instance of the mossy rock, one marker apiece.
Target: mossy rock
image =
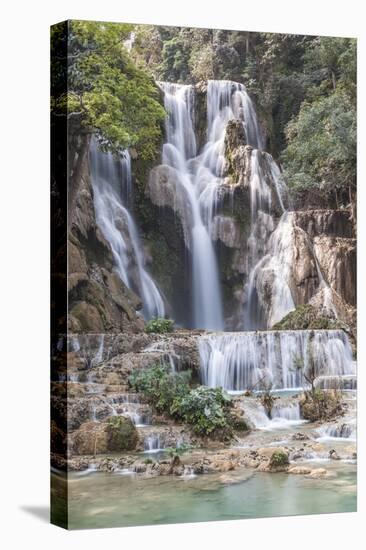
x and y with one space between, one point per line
240 425
306 317
122 434
279 460
322 405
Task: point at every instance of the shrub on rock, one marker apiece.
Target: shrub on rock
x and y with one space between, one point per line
279 461
159 325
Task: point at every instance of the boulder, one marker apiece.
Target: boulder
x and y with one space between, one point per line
117 434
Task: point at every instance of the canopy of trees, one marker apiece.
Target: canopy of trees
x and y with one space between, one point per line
304 89
321 138
112 98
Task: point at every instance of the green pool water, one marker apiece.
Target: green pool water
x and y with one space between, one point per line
115 500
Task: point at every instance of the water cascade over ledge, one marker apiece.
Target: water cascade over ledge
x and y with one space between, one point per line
244 360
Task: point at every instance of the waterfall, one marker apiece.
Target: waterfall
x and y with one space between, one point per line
227 100
281 416
270 250
199 178
165 354
245 360
112 187
339 431
152 443
177 152
274 269
290 413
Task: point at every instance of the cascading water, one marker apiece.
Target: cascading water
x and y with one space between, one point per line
112 186
177 153
272 269
227 100
270 250
280 417
245 360
290 413
200 176
152 443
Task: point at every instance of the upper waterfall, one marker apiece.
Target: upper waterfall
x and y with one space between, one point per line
227 100
199 176
178 153
112 187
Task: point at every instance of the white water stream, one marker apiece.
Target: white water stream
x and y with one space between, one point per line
112 187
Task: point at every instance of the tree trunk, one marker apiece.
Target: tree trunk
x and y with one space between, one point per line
333 80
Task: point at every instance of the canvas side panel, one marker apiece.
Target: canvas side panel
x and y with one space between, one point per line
59 47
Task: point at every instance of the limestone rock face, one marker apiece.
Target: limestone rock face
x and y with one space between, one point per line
337 259
164 190
333 223
237 153
305 276
227 231
98 300
323 271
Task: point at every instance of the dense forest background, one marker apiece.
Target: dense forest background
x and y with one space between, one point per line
304 89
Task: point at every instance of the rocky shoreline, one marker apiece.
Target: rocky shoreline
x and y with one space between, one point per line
112 429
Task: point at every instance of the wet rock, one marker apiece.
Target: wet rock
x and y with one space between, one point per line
334 455
299 436
227 231
318 473
299 470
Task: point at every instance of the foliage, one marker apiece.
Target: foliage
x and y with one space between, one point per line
179 451
321 138
106 92
308 372
321 149
159 325
160 386
204 409
278 459
317 404
267 400
304 88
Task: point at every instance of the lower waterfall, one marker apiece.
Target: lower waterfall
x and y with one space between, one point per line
249 360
